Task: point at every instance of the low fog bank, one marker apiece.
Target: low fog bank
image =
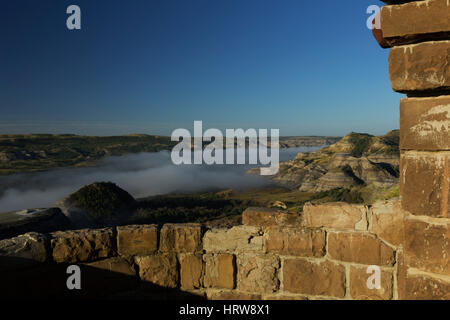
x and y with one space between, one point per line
142 175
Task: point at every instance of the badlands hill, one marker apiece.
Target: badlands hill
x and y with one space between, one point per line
362 161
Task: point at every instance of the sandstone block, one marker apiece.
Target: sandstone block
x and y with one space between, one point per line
359 248
160 269
82 245
258 273
295 241
232 295
263 217
336 215
415 21
282 297
427 246
116 264
426 288
420 67
359 289
137 240
107 277
239 238
314 278
23 251
220 271
183 237
387 221
191 271
424 183
425 123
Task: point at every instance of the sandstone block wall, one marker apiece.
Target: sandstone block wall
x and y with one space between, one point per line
419 65
322 254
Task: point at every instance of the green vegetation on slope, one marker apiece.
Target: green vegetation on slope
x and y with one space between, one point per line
23 153
102 200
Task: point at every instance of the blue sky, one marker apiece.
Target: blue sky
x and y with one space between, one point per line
150 66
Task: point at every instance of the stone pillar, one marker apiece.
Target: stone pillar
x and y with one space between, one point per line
418 33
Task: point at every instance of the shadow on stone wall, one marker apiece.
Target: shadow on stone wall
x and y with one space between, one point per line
24 279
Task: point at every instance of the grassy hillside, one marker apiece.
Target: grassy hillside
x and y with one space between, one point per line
24 153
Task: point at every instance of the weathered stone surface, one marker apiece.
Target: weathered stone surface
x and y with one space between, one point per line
305 242
232 295
425 123
427 246
387 221
82 245
219 271
359 289
137 239
424 183
430 22
239 238
285 297
359 248
263 217
314 278
191 271
401 275
336 215
420 67
398 1
23 251
160 269
426 288
183 237
258 273
116 265
108 277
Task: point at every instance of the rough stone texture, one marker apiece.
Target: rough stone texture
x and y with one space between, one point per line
137 240
219 271
263 217
239 238
359 289
420 67
160 269
82 245
424 183
257 273
401 274
427 246
425 123
336 215
359 248
397 1
191 271
314 278
185 237
23 251
232 295
295 241
426 288
116 264
285 297
108 277
387 221
415 21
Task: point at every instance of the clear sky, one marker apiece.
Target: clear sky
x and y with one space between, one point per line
150 66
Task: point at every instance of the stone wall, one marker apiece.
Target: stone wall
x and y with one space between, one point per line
322 254
419 65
